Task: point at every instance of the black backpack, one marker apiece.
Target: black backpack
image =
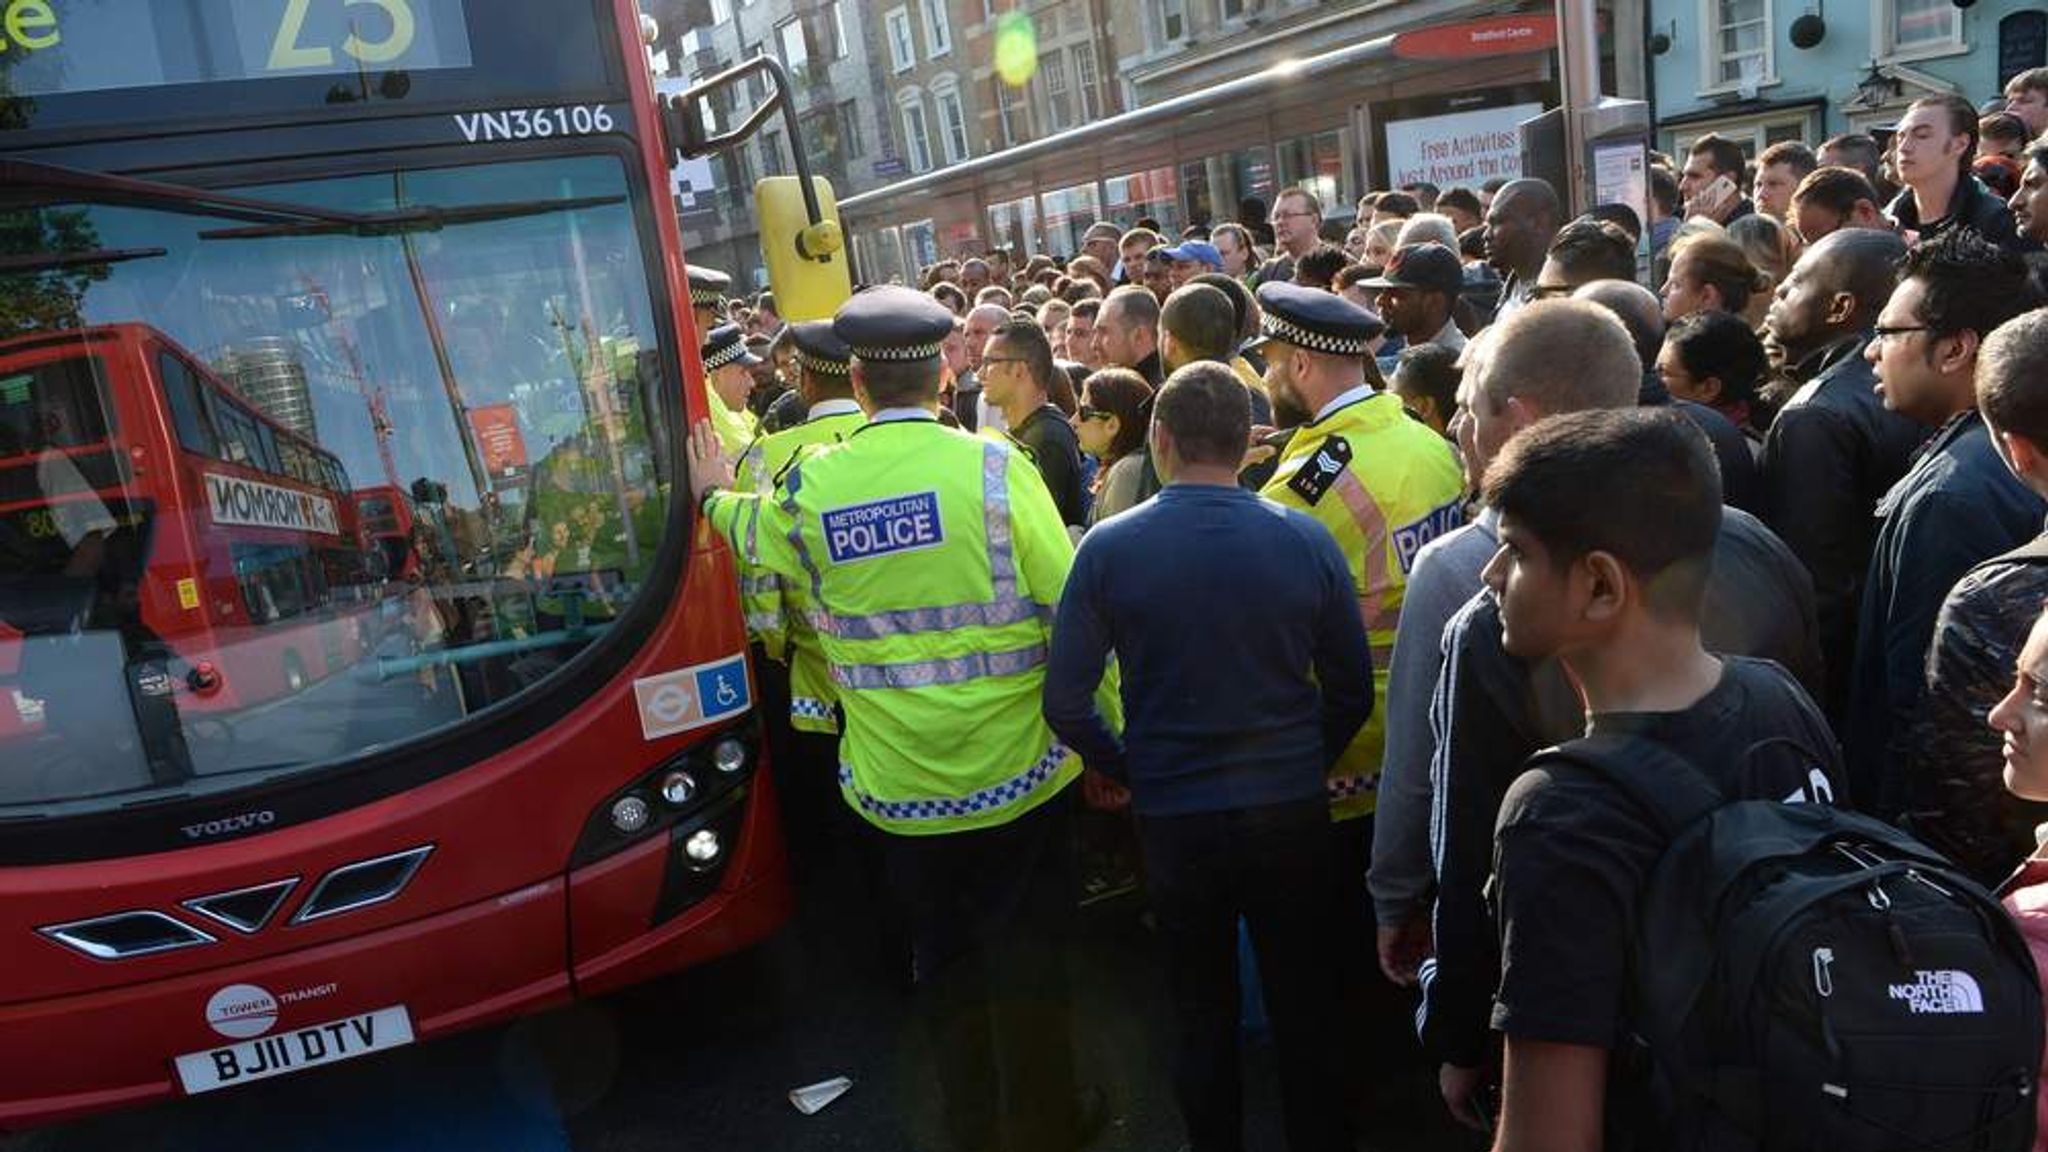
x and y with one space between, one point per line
1807 978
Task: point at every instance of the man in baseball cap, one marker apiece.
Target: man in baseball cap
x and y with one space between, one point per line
1417 292
1191 258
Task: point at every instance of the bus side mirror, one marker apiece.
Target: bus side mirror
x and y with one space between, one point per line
807 262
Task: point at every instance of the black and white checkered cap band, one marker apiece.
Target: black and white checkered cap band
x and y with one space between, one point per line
1279 328
821 364
706 297
725 355
913 352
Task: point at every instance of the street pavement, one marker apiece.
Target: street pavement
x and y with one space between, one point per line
704 1059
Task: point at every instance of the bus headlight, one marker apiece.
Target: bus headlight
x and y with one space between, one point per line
703 847
679 788
729 756
630 814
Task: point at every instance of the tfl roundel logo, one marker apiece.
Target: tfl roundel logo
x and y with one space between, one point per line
240 1011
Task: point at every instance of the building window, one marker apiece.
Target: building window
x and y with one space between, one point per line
902 48
796 55
1755 134
952 124
757 83
721 11
1169 21
1010 112
938 35
849 131
1738 42
1913 26
835 27
771 151
1052 68
1231 9
1086 82
917 141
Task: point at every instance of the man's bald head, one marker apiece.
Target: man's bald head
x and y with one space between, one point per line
1636 307
1560 356
1520 226
1864 262
982 322
1528 197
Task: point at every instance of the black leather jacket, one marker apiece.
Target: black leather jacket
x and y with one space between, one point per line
1830 456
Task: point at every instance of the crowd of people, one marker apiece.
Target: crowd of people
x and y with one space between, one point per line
1366 522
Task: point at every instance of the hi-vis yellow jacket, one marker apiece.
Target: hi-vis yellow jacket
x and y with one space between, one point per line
934 560
735 430
778 611
1384 484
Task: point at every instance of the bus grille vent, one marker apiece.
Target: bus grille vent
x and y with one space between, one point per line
126 935
246 910
362 884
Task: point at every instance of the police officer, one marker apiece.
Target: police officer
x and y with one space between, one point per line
934 560
1384 485
727 364
708 290
806 747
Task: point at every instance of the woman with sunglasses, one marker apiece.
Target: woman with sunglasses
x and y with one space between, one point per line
1115 412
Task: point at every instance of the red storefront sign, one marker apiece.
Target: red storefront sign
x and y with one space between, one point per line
1473 39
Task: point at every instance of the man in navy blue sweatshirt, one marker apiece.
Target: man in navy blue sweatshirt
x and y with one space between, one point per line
1246 671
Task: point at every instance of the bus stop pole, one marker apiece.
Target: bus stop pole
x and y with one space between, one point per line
1578 57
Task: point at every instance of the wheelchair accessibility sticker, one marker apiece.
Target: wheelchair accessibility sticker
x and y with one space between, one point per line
692 697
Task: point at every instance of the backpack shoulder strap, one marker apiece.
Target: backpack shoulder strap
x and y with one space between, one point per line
1663 785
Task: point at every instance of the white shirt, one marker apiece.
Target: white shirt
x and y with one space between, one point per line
893 415
837 406
1342 398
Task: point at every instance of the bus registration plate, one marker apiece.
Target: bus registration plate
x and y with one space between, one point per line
282 1052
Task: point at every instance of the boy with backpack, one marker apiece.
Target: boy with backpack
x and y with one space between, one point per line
1671 949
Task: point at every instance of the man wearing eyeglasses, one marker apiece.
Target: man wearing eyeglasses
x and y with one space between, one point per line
1016 377
1297 222
1956 506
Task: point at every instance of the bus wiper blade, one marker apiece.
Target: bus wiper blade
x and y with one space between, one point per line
52 261
408 220
28 184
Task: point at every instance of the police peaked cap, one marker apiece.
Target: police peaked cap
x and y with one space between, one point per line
725 346
1316 320
893 323
708 286
819 349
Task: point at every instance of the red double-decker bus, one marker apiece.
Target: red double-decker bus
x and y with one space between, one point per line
254 571
268 801
384 520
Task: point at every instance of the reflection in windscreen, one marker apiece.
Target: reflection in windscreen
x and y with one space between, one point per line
279 496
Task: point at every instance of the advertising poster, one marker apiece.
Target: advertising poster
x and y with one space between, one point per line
1457 148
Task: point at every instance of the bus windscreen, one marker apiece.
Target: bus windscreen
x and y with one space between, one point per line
393 475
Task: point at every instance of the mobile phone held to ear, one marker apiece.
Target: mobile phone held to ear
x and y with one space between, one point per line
1716 195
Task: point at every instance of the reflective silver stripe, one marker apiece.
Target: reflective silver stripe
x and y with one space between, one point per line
908 621
974 803
764 622
761 584
995 518
931 673
791 483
